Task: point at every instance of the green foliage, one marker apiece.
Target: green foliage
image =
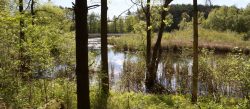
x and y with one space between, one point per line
183 38
54 16
128 42
232 70
148 101
122 24
207 39
94 23
184 22
139 28
9 56
4 4
228 18
246 36
176 10
50 50
130 22
48 44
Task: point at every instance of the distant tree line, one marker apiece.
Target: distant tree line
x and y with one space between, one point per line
210 17
127 22
229 18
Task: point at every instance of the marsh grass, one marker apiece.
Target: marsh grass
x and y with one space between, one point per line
210 39
129 42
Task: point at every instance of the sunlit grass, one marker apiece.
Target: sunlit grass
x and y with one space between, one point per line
128 42
207 39
183 38
150 101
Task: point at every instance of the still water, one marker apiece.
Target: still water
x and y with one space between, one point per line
127 71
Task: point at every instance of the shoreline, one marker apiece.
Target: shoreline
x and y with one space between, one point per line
179 48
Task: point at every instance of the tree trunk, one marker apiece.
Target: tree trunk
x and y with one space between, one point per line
21 40
21 20
156 50
82 71
104 52
115 31
32 11
195 53
148 52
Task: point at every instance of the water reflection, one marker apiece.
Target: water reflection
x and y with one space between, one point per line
127 73
127 70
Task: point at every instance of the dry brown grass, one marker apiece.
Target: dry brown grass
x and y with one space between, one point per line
220 41
224 41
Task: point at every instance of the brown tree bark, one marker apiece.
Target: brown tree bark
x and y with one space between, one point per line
195 53
82 71
148 53
157 50
104 52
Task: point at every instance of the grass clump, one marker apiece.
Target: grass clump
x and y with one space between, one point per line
131 100
128 42
61 93
207 39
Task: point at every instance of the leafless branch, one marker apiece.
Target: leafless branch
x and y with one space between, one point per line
89 7
125 10
135 3
93 6
28 5
91 63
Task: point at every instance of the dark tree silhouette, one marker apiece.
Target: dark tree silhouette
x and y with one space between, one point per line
21 20
104 52
157 50
148 53
82 71
32 11
195 53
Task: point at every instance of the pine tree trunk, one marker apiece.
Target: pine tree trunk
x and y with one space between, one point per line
104 53
148 53
195 53
82 71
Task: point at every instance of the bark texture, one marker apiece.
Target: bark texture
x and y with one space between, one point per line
150 84
195 53
82 71
104 55
148 53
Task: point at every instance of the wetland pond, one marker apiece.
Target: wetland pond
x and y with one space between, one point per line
127 72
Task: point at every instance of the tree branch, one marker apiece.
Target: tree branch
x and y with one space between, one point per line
28 5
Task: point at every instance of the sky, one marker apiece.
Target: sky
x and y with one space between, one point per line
118 6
